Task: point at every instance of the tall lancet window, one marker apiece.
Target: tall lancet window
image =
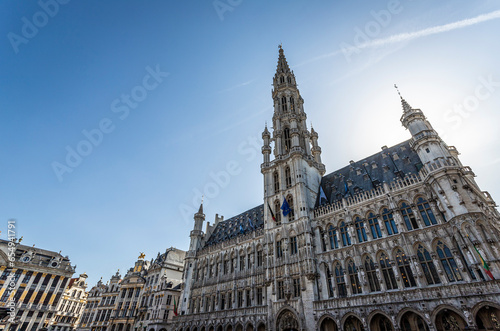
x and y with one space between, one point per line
283 104
291 215
288 140
277 212
289 80
276 181
292 104
288 177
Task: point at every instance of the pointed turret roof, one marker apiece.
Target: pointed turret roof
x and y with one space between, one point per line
406 105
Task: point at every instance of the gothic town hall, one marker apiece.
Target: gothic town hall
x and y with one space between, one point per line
401 240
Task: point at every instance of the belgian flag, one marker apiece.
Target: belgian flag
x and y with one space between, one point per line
272 214
485 265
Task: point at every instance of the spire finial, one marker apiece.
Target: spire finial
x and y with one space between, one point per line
397 89
406 106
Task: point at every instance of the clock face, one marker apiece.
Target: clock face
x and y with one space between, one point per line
54 264
25 259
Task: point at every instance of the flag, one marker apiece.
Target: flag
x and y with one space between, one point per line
272 214
346 189
251 223
241 228
485 265
322 195
175 308
285 207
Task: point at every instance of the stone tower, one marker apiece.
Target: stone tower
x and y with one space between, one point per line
190 259
294 175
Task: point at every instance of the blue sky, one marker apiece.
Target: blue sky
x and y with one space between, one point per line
201 75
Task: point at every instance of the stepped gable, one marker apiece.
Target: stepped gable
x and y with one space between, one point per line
237 225
385 166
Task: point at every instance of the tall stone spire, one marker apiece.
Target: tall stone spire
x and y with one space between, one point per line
296 170
284 76
282 63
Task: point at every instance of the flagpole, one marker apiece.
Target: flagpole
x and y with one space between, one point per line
485 265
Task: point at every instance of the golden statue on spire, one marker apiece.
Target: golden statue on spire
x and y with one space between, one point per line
142 256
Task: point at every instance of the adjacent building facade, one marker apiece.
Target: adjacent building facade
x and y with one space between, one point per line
142 300
70 307
401 240
32 283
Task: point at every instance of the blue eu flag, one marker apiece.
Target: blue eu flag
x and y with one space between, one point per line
285 207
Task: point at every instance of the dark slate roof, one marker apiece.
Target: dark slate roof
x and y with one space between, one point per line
385 166
241 224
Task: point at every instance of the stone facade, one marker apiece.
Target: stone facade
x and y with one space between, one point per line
71 306
32 282
391 242
142 300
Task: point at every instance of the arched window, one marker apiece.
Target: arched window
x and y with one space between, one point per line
288 139
283 104
346 239
360 229
371 274
242 261
408 216
282 79
292 104
289 80
293 245
404 269
279 249
329 280
374 226
390 225
339 279
291 215
288 177
428 266
260 257
332 234
448 262
222 301
353 277
276 182
426 212
277 212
